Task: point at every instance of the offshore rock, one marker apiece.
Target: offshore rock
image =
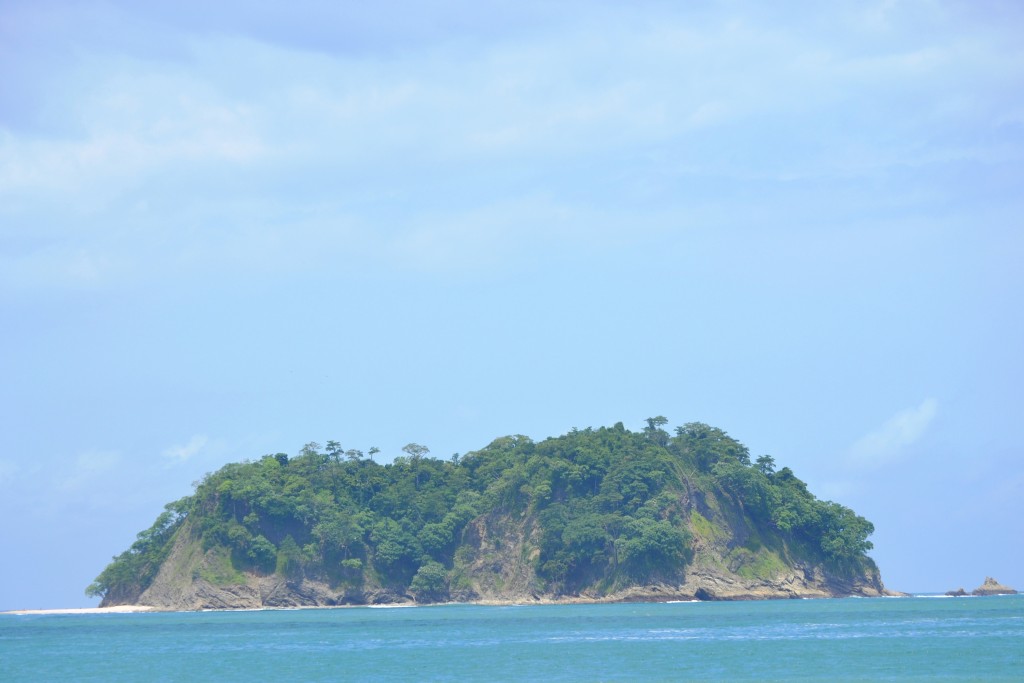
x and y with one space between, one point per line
958 593
993 587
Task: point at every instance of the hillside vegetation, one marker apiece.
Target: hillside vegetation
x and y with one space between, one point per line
595 513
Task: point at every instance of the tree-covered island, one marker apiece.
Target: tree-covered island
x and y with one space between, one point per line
596 514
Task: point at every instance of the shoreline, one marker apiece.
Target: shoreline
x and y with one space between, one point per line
569 600
575 600
117 609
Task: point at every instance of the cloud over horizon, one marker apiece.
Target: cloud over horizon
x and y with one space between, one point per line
888 443
188 450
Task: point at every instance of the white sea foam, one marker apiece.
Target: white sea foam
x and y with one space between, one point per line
119 609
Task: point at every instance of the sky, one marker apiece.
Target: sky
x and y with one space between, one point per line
228 230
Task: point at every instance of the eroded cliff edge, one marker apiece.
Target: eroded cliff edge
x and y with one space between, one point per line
494 574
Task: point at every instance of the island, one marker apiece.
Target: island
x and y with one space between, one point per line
604 514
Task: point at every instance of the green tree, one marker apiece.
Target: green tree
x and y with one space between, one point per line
289 558
653 547
262 554
337 534
708 445
436 538
415 451
430 584
654 429
395 551
334 450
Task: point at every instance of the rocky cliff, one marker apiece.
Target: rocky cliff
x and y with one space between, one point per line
496 570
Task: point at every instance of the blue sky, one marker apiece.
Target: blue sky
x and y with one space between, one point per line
229 231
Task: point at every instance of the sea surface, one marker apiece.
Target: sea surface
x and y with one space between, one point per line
877 639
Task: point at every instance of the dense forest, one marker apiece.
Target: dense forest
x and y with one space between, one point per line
601 508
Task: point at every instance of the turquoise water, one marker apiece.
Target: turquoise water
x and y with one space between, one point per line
906 639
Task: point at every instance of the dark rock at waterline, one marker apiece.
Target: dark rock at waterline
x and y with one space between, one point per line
704 594
958 593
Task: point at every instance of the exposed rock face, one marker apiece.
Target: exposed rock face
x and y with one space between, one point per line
187 581
992 587
496 567
958 593
274 591
499 570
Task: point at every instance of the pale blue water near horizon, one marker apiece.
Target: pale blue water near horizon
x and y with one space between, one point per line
879 639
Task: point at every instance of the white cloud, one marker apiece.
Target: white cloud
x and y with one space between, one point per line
484 237
187 451
516 234
888 443
550 96
185 165
135 123
837 490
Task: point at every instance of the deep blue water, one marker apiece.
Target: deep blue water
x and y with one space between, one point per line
890 639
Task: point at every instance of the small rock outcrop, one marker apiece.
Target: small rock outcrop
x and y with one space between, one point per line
958 593
992 587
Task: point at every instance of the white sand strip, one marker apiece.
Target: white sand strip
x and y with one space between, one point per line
120 609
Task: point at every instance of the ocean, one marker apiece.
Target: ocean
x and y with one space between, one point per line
870 639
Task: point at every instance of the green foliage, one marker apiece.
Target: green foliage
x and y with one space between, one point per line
435 538
353 565
262 555
702 525
430 584
133 570
396 551
705 445
843 533
608 507
654 547
760 564
766 464
289 558
219 570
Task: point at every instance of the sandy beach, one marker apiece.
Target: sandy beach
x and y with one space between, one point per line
120 609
